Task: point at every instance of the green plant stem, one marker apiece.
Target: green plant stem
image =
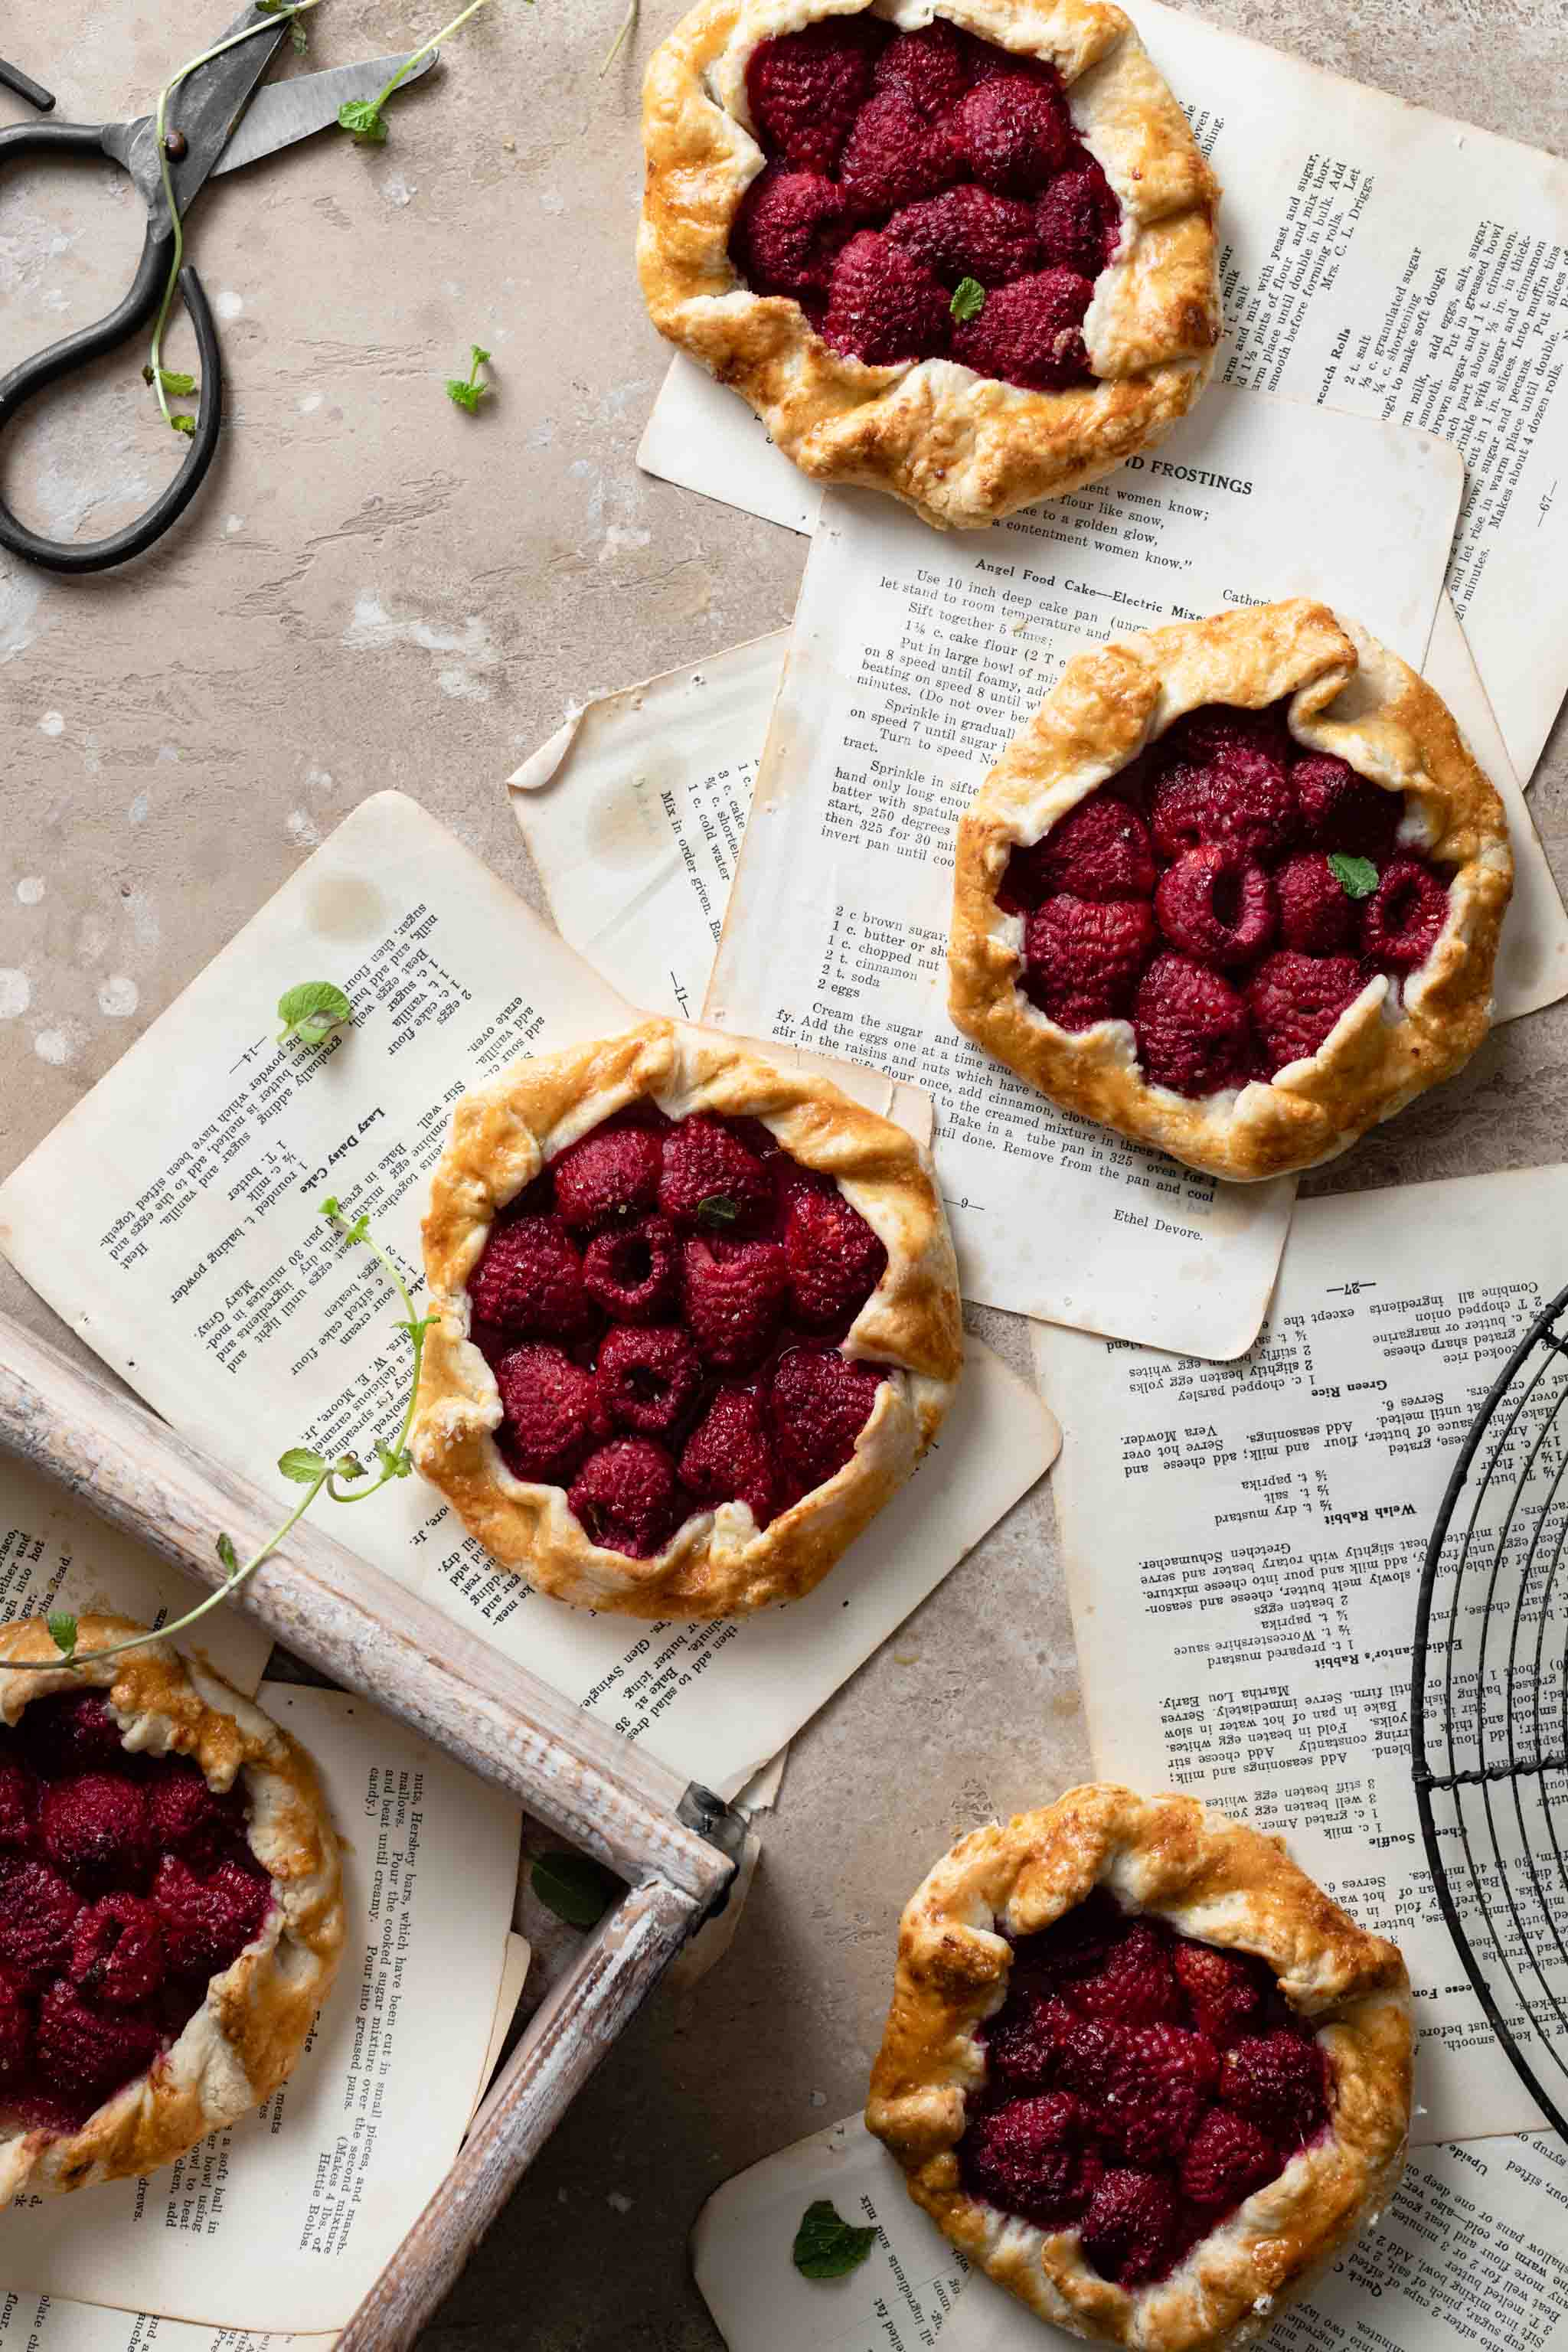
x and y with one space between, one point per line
416 1328
627 21
408 64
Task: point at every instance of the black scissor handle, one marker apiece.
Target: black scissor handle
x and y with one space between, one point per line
76 351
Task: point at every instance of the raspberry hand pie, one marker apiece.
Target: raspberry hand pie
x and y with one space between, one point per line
170 1914
967 258
1141 2069
1236 890
698 1320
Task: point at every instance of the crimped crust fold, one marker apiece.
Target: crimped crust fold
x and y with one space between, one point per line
718 1564
1213 1879
1348 695
961 448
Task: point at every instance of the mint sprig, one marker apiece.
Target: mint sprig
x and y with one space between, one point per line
575 1886
1357 877
364 119
467 391
968 299
62 1634
826 2245
311 1010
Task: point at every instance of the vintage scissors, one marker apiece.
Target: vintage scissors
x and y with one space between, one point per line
203 136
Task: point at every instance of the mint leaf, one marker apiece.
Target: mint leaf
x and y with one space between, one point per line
393 1465
182 386
718 1209
968 299
576 1887
364 119
827 2247
312 1010
184 424
1357 877
302 1463
62 1634
467 392
300 37
349 1465
228 1554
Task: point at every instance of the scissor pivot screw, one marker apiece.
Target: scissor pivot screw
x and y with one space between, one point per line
174 146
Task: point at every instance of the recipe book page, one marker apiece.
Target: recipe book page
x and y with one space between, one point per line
206 1275
286 2220
1243 1546
1373 257
914 659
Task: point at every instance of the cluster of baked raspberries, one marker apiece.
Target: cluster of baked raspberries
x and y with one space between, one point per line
1229 894
662 1310
125 1884
1139 2087
901 164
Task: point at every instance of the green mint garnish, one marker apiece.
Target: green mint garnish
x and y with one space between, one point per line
576 1887
467 391
62 1634
1357 877
968 299
303 1464
312 1010
718 1209
827 2247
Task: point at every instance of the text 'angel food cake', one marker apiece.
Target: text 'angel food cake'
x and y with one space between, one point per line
1236 890
966 256
698 1320
170 1914
1141 2069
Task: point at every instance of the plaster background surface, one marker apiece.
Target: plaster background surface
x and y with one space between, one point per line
375 589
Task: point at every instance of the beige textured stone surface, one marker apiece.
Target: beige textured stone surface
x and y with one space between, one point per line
376 589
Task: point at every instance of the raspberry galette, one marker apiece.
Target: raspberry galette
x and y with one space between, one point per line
1236 890
965 256
170 1913
1141 2069
698 1318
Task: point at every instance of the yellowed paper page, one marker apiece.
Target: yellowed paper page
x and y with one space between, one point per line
514 1976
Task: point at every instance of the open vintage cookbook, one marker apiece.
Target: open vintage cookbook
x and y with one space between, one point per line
173 1219
1374 259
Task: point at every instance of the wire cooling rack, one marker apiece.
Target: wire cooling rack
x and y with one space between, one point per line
1489 1708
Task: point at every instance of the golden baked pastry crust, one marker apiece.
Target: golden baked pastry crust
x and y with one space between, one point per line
1349 697
718 1564
961 448
1210 1879
248 2034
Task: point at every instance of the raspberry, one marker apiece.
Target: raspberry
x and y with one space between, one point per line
804 89
117 1953
927 65
1090 2053
207 1922
1015 131
835 1260
1241 797
1135 1984
554 1413
1295 1001
82 2054
1278 2081
1022 2041
1317 914
530 1280
1078 220
729 1456
1029 2157
1401 920
1074 1944
16 2030
711 1177
733 1293
1133 2228
1224 1989
614 1172
188 1817
1168 2078
1082 962
39 1912
787 232
626 1497
73 1733
1100 850
1341 810
968 233
820 1402
894 157
1029 332
1225 2159
1215 731
1192 1032
983 62
882 307
1216 905
650 1380
633 1272
18 1832
95 1829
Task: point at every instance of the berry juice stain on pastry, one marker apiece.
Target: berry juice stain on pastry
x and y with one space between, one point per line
1139 2069
165 1937
1010 222
1263 920
699 1315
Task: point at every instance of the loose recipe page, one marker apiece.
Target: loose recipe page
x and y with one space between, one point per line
208 1278
1243 1544
914 659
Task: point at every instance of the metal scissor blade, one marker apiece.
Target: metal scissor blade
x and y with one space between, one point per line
287 111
